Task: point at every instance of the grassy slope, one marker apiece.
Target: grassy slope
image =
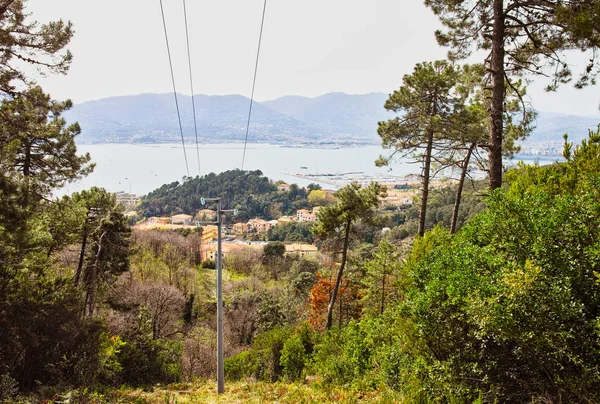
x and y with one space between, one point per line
235 392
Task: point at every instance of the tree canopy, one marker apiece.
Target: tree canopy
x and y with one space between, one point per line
27 43
523 38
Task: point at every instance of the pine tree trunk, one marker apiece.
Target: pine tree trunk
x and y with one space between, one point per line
338 280
425 192
461 183
496 68
91 290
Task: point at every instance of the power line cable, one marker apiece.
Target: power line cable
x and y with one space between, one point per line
187 39
262 23
174 88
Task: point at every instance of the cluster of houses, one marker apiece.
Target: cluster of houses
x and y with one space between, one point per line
259 225
209 251
205 215
255 225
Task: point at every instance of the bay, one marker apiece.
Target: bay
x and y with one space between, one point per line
141 168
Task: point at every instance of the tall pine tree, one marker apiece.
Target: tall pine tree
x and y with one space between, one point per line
521 37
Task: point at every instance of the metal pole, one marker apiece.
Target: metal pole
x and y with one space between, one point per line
220 364
129 184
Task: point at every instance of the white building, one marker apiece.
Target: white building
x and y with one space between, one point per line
185 220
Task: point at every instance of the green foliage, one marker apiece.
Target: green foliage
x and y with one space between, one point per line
354 203
251 193
303 283
44 339
318 197
293 357
145 361
28 43
439 209
335 222
238 366
274 250
9 388
518 39
381 280
41 150
291 232
426 102
269 313
509 308
353 347
506 310
534 37
209 264
441 118
265 356
281 351
110 348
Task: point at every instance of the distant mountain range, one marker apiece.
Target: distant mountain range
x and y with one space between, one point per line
335 118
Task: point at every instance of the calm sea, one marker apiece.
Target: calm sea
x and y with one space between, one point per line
141 168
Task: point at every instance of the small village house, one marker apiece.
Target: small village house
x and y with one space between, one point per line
240 228
209 233
183 219
209 251
206 215
158 220
301 249
303 215
258 225
284 219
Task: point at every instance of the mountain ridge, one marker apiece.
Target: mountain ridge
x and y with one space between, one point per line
330 118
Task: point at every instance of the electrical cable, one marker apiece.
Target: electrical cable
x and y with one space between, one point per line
174 88
262 23
187 39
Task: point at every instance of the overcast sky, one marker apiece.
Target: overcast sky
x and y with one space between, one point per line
310 47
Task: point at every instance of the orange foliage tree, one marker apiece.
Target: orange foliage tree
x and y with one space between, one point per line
320 297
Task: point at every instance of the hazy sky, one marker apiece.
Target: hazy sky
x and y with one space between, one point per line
310 47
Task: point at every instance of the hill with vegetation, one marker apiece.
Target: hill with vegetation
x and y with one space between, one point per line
250 192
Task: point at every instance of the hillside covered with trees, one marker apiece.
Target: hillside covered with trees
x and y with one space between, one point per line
250 192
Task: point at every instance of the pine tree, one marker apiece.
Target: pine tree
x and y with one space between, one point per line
521 37
40 151
431 108
336 221
27 43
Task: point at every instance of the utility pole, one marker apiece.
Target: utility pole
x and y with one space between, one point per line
220 361
129 185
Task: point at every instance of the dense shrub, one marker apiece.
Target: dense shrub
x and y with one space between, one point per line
145 361
43 339
296 352
266 353
239 366
281 351
509 308
293 357
347 355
